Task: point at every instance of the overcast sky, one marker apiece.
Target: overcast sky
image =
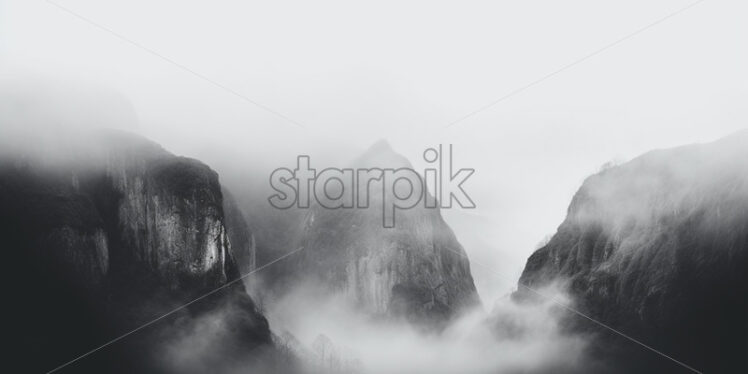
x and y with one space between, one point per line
351 73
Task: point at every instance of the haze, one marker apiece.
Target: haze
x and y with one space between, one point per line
351 74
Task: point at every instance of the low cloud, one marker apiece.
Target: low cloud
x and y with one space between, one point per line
331 335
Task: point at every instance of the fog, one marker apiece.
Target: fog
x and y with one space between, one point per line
333 336
218 82
355 73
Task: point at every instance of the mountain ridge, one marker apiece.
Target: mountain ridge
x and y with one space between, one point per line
653 245
116 233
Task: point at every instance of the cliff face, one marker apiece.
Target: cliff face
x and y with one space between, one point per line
416 270
241 238
657 248
169 216
109 234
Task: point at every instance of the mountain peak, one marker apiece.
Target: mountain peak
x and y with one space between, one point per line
381 155
381 145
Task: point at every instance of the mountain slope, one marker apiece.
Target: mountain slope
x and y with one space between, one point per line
107 232
657 248
416 270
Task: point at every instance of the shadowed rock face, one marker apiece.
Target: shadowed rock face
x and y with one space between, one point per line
657 248
109 233
416 270
241 238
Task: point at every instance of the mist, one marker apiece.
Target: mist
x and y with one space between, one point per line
325 332
247 87
334 336
360 73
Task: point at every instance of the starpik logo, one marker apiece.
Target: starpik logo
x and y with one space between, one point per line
394 188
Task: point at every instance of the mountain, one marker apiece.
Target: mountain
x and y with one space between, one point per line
657 249
241 237
104 232
416 270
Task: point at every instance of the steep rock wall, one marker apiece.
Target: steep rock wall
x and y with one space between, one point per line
658 249
109 233
416 270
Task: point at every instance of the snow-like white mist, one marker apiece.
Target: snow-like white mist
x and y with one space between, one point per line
331 335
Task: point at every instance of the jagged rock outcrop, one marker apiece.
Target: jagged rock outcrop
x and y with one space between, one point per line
416 270
657 249
107 232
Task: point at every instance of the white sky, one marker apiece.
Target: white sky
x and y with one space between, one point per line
353 73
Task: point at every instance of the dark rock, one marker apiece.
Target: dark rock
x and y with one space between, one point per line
109 233
657 249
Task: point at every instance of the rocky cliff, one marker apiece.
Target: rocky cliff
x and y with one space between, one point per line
108 231
416 270
241 237
657 249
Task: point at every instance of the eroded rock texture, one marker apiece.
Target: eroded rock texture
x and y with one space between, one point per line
657 248
416 270
106 233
